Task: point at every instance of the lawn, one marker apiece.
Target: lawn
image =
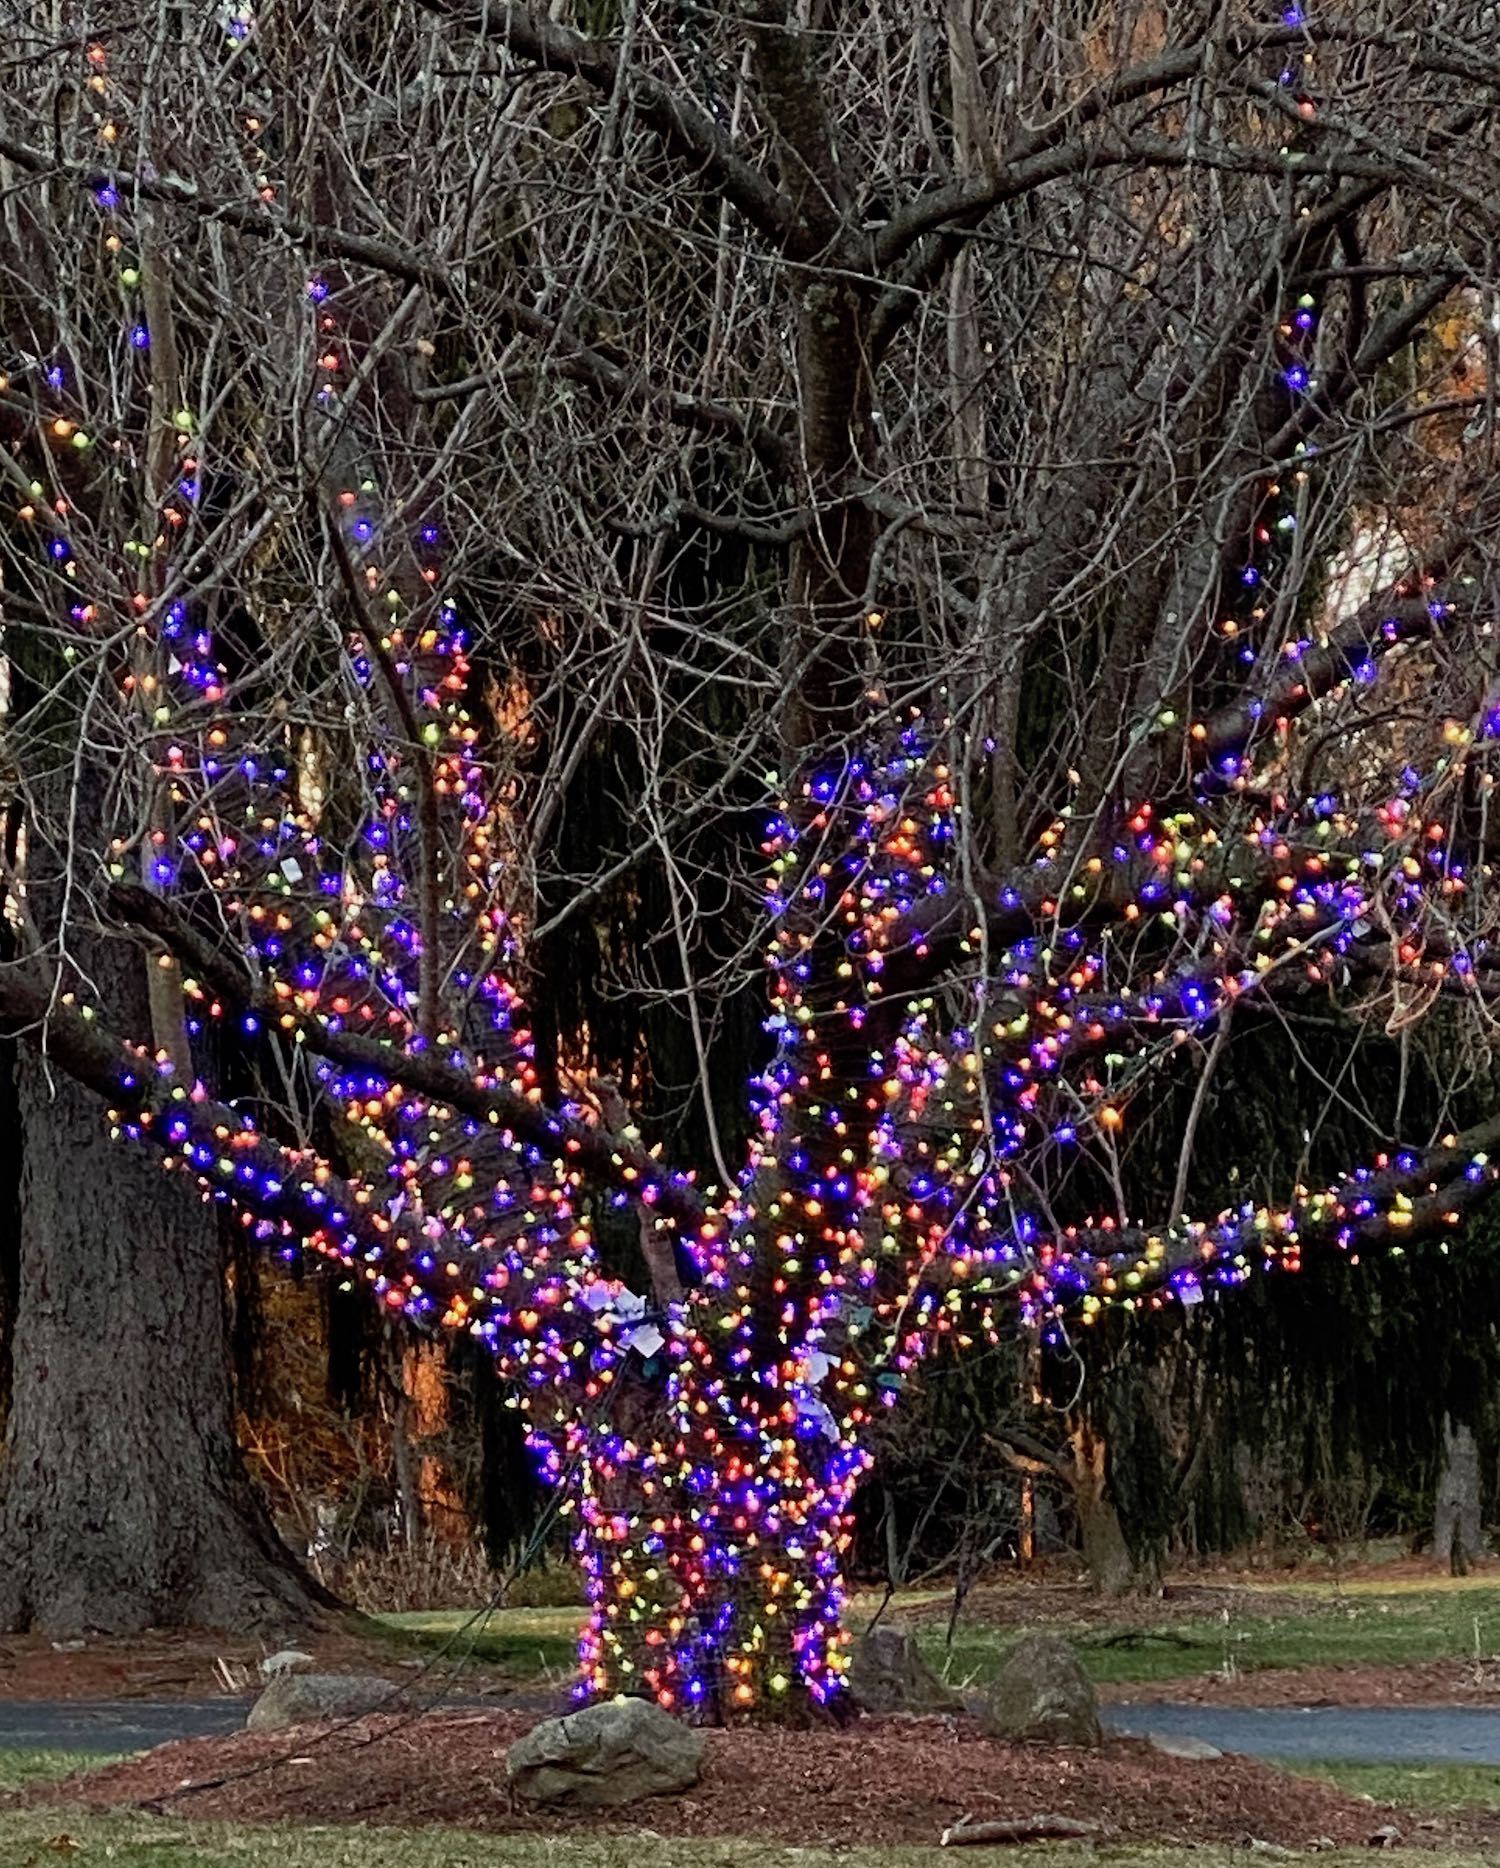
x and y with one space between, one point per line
1414 1786
525 1642
36 1838
1334 1624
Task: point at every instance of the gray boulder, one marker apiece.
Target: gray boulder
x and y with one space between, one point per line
311 1698
613 1753
1042 1693
888 1674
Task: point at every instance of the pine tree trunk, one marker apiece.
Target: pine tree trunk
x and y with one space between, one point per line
1457 1532
125 1504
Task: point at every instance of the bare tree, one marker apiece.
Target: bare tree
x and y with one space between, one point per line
1059 442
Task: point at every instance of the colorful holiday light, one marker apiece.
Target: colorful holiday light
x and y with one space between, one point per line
708 1441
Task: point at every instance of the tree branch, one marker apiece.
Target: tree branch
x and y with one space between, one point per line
612 1160
687 131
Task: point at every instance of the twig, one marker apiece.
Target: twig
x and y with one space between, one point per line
1019 1829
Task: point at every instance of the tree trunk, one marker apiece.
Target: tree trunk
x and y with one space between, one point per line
713 1580
1457 1531
125 1503
1111 1567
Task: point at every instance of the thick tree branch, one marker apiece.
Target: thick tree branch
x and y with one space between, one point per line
610 1160
1412 1194
689 132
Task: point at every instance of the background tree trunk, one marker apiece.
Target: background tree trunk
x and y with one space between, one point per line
125 1504
1457 1529
1111 1567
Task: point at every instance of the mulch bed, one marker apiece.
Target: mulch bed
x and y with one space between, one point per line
889 1781
169 1664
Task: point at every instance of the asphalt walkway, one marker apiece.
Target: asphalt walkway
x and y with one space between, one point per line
1376 1735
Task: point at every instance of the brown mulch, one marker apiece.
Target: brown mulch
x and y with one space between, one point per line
892 1780
168 1664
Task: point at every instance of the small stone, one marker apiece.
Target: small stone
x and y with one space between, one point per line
1181 1745
887 1675
604 1756
289 1660
1041 1693
1385 1837
311 1698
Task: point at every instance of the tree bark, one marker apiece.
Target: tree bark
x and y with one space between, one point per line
1111 1567
125 1503
1457 1531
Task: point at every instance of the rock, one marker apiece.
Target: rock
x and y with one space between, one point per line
1180 1745
605 1755
308 1698
289 1660
1385 1837
1042 1693
888 1674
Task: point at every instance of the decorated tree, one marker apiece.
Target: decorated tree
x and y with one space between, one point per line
1078 489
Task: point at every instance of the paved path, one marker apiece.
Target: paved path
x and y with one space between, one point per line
113 1724
1367 1734
1386 1734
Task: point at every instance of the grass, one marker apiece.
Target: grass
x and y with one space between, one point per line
525 1642
1338 1627
38 1838
1414 1786
1335 1624
20 1769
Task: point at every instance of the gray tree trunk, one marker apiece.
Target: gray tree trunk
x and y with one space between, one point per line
124 1503
1457 1529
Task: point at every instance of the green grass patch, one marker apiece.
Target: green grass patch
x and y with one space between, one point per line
525 1642
1413 1786
38 1839
1334 1625
1337 1628
21 1769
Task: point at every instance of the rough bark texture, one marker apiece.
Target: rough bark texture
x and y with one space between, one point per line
1457 1530
123 1500
1111 1568
125 1503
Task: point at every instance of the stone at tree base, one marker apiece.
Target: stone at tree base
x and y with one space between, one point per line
888 1674
1182 1745
288 1660
307 1698
1041 1693
604 1756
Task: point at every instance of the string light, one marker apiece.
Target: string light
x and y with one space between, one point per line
709 1444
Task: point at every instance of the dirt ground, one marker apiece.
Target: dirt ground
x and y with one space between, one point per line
200 1665
891 1780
